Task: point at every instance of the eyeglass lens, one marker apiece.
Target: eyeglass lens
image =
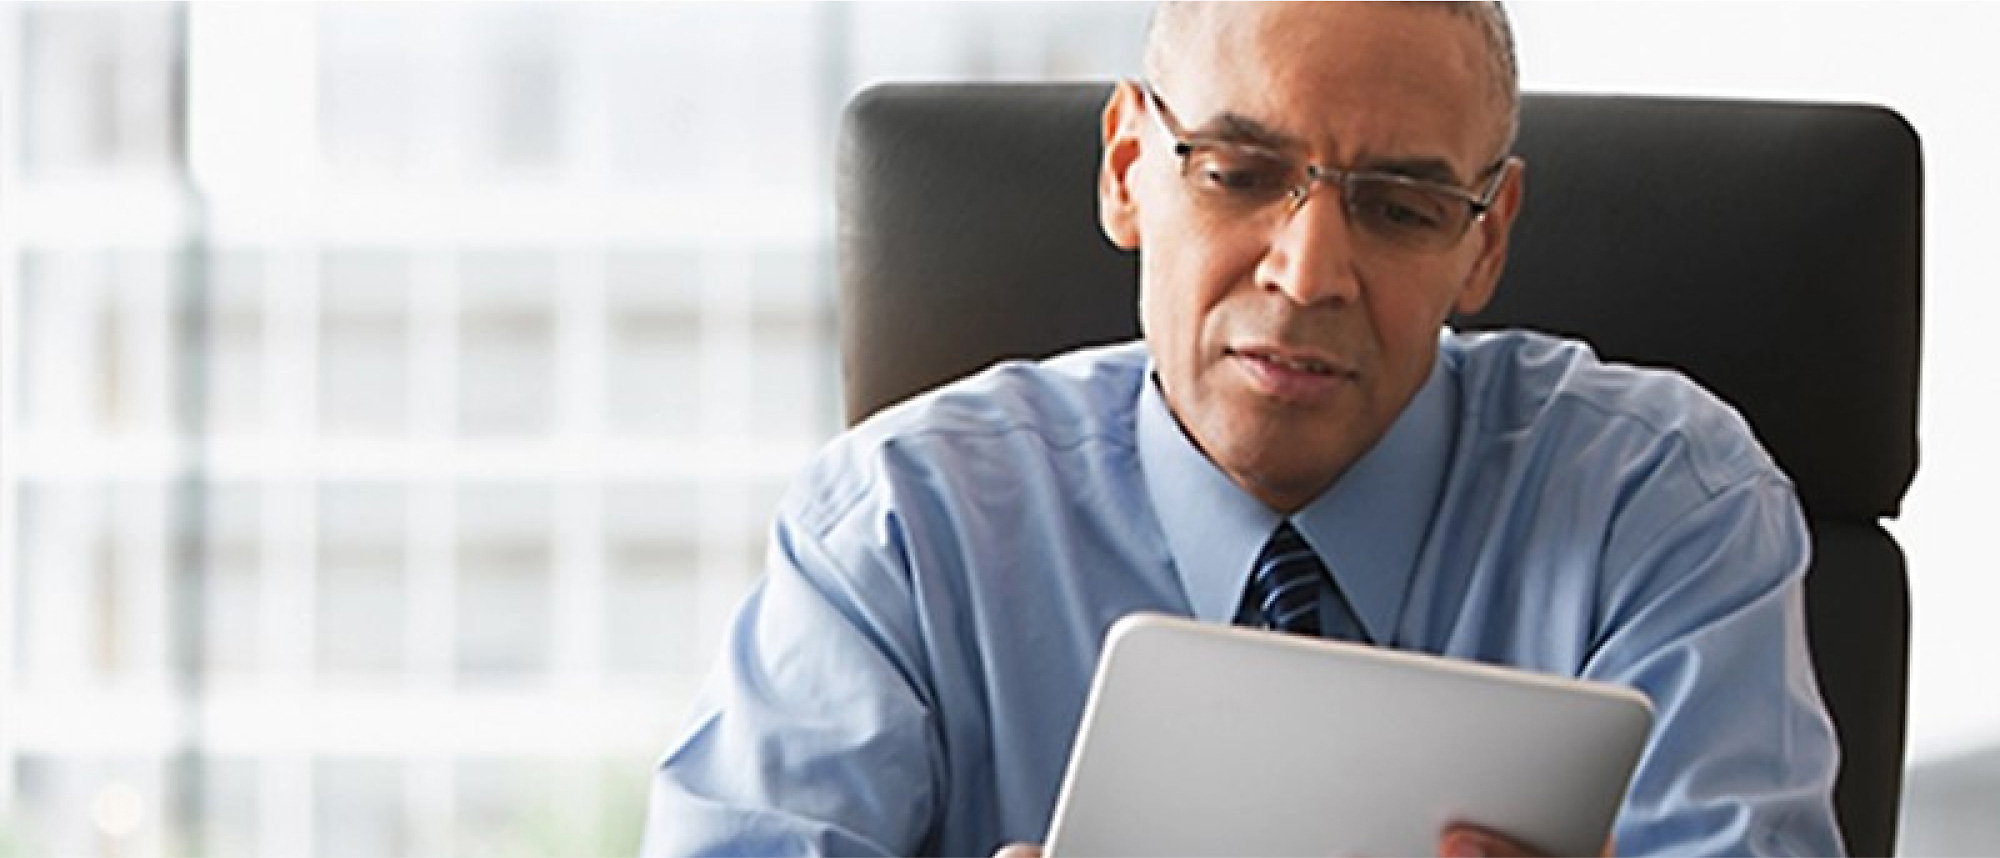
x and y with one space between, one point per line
1402 214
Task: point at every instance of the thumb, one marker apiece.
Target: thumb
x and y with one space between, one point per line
1471 841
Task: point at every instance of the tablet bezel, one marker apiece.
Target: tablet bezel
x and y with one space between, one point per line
1180 711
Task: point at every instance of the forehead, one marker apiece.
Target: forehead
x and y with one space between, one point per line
1349 82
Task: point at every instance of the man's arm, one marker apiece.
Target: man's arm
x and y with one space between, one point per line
812 735
1703 609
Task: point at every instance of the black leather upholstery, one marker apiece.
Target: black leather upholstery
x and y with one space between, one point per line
1770 250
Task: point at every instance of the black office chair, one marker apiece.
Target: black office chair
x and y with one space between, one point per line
1769 250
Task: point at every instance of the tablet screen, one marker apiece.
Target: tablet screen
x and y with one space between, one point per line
1200 739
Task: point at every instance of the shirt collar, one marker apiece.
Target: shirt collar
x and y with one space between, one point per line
1368 527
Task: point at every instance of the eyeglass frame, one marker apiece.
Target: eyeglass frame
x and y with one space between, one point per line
1185 143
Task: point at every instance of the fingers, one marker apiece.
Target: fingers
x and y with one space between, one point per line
1019 850
1470 841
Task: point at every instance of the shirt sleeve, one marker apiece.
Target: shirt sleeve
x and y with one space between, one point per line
813 735
1704 611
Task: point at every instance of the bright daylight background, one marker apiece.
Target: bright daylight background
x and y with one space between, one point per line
392 396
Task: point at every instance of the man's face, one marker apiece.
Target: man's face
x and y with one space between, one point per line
1287 345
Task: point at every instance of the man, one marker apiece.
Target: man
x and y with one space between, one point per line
1313 189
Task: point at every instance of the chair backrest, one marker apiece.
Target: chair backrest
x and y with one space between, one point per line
1769 250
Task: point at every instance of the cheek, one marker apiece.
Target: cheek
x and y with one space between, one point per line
1172 332
1406 324
1188 272
1177 296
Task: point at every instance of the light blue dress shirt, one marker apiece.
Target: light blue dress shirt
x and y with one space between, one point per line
909 674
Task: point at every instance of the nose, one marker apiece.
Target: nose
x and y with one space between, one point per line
1311 257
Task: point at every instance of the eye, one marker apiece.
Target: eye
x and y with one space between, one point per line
1238 173
1409 216
1397 207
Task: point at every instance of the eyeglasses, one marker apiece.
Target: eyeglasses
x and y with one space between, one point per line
1248 182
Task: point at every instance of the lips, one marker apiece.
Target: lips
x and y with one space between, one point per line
1290 375
1289 361
1295 363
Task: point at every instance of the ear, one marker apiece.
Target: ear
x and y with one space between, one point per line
1117 210
1497 226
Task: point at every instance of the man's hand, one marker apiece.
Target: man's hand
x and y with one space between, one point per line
1461 840
1470 841
1465 840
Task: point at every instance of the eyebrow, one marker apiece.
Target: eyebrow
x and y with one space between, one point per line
1231 127
1428 169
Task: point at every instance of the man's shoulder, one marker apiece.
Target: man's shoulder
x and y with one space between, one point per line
1551 390
1062 399
1013 414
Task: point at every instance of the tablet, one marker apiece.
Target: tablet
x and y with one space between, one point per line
1202 739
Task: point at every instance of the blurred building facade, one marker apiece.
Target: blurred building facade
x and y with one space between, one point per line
393 398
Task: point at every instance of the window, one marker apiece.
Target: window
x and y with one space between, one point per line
393 399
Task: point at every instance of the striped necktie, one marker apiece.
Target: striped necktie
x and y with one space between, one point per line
1285 589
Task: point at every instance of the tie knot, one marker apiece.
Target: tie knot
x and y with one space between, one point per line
1286 584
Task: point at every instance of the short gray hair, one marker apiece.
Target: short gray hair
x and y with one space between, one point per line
1172 19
